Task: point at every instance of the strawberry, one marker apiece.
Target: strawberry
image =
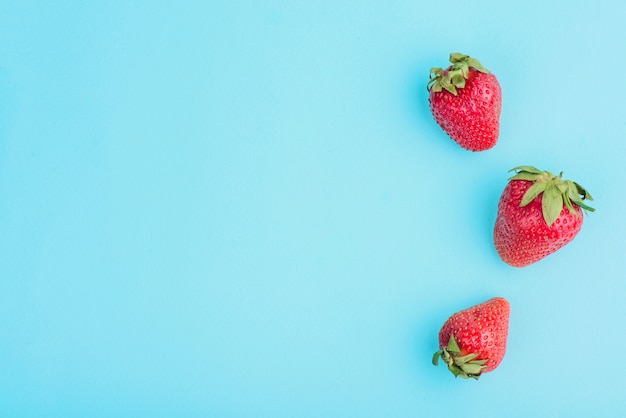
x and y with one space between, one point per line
473 341
465 100
538 213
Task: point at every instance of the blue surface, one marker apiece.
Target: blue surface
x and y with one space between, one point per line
246 209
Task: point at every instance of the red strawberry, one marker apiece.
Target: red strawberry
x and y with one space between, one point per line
465 100
538 213
473 341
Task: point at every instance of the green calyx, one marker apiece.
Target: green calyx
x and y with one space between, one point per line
460 366
455 76
556 192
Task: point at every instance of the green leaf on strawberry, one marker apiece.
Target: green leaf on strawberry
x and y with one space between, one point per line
454 76
552 203
556 192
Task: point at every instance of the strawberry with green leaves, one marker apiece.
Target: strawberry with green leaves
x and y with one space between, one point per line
538 213
465 100
473 341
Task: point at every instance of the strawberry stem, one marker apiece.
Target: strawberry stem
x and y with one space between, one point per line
453 77
465 366
555 192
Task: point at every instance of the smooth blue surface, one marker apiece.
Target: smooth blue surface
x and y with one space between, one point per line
245 209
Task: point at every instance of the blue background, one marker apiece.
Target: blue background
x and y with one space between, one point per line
245 209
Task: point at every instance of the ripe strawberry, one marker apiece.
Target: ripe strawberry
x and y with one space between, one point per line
465 100
473 341
538 213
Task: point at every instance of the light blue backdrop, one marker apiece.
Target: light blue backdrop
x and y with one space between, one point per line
245 209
